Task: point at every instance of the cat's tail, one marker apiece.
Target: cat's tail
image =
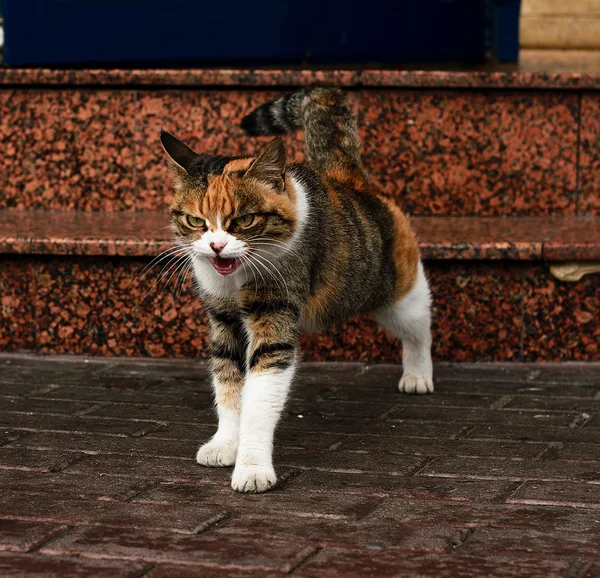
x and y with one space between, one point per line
330 133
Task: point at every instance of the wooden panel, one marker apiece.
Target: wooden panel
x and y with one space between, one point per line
560 7
560 32
551 60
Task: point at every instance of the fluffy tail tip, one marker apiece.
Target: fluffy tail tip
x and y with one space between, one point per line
251 125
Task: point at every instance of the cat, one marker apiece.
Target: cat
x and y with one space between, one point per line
281 247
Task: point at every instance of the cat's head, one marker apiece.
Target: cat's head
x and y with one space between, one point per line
235 213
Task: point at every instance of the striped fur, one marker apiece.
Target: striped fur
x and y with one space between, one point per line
317 246
329 127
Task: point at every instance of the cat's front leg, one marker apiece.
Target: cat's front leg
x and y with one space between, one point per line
228 357
271 363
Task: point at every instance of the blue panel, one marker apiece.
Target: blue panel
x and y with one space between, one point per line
506 30
186 32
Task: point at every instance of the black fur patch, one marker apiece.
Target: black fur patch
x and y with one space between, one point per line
268 349
204 165
266 307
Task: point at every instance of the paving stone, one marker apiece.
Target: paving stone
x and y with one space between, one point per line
292 438
319 371
151 468
359 563
377 534
132 446
387 399
16 389
159 396
181 371
569 374
32 405
92 486
470 515
194 435
535 434
555 403
583 452
20 536
32 422
427 447
468 372
153 546
508 388
36 460
375 461
49 383
289 500
172 571
149 412
417 487
579 495
37 566
489 416
515 470
355 409
8 437
528 541
21 369
591 571
385 483
396 429
192 432
42 508
593 423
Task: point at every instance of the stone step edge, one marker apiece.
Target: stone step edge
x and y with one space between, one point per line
147 234
502 77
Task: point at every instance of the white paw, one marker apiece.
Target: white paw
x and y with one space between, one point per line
415 384
216 454
253 479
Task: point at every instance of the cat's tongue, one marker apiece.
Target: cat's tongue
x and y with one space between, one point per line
224 266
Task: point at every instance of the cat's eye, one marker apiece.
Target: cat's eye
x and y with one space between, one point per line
244 221
195 221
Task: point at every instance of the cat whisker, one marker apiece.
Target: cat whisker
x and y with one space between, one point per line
275 243
155 261
174 271
168 267
272 270
189 263
292 251
253 267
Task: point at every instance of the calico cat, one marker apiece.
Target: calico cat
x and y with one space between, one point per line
281 248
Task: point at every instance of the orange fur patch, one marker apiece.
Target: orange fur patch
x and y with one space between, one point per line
238 165
343 175
406 250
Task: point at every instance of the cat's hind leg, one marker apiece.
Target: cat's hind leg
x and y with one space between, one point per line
410 320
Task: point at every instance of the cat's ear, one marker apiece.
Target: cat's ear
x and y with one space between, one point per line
180 156
269 166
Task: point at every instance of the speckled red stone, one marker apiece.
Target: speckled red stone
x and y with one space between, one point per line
481 152
483 311
589 161
483 78
561 320
147 233
473 153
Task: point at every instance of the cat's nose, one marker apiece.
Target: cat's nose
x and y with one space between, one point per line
218 247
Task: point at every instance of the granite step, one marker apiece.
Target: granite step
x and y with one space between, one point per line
77 283
147 233
479 143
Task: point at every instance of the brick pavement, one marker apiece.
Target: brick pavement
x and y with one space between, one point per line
496 474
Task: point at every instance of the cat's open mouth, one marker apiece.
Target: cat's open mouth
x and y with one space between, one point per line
223 265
